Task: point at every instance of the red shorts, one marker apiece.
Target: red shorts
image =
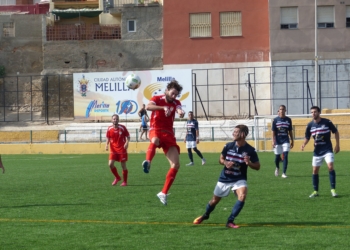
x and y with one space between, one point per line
166 140
118 157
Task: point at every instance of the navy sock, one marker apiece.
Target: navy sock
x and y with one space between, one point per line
190 155
235 210
277 161
208 210
285 162
315 181
198 153
332 178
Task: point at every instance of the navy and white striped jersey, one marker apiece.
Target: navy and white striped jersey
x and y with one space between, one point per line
282 126
192 127
321 132
236 154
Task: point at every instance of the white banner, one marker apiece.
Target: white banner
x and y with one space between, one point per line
103 94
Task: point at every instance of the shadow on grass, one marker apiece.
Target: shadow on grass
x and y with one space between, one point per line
45 205
283 224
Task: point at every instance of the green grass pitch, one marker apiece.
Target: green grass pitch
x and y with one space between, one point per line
67 202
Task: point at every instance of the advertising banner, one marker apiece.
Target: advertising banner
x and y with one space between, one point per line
100 95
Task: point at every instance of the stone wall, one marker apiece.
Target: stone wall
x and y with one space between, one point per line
22 53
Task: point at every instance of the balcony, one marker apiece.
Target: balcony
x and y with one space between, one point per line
66 32
66 4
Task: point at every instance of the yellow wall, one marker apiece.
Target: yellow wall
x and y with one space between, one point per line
134 147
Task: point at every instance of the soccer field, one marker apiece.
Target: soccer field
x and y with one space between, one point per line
67 202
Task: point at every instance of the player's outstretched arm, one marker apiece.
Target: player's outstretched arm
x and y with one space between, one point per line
291 138
337 146
181 112
107 143
126 145
304 144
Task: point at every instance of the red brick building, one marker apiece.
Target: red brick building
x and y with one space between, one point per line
215 31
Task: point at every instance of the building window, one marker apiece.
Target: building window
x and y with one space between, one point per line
231 24
8 29
131 26
348 16
325 17
200 25
289 18
7 2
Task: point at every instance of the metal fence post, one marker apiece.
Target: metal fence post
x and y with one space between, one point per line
212 133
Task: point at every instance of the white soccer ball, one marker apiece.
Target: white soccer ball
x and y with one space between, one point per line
133 81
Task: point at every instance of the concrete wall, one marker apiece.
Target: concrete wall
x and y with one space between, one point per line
22 53
29 52
136 50
299 44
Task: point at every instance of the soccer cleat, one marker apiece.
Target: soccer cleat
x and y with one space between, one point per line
277 172
146 166
314 194
284 175
200 219
190 164
123 184
163 198
116 181
231 225
203 161
334 194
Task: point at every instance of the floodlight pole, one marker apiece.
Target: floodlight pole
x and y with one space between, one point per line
316 57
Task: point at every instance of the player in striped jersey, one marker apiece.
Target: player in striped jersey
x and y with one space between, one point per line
236 157
282 130
320 129
192 138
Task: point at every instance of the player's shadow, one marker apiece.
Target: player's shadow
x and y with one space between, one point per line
45 205
281 224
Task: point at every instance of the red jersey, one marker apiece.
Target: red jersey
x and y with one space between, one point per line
117 138
158 119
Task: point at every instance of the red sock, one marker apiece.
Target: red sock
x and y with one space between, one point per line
151 151
125 176
170 177
115 172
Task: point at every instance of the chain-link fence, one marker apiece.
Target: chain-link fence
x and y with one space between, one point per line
217 93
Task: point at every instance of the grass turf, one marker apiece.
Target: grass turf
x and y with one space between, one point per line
67 202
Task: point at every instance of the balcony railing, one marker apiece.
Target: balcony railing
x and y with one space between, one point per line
55 1
64 32
124 3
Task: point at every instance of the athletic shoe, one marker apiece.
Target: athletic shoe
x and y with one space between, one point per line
231 225
284 175
123 184
334 194
190 164
203 161
314 194
116 181
277 172
146 166
163 198
200 219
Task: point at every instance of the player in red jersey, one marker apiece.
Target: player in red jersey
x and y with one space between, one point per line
161 133
118 137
